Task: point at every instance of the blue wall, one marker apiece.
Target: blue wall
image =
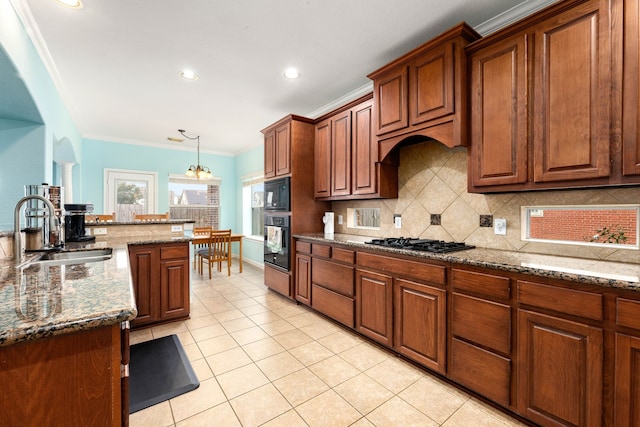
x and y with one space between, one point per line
249 163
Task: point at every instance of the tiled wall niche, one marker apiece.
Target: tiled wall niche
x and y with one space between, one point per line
432 179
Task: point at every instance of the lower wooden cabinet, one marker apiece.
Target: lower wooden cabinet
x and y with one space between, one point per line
560 371
374 306
277 280
66 380
420 323
160 274
333 290
627 381
303 278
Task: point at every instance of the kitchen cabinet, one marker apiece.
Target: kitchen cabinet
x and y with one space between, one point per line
303 272
277 151
72 380
333 283
424 92
627 363
160 275
544 114
481 352
374 306
289 150
419 306
631 89
560 341
346 156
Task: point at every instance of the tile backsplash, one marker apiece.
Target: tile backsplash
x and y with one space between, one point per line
432 180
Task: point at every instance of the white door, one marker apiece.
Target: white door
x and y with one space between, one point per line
127 192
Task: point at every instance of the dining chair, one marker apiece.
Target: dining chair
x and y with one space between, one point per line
200 234
100 217
217 251
151 217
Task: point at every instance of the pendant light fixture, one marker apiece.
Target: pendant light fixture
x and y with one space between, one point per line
198 171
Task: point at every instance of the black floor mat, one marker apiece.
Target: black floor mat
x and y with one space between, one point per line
159 370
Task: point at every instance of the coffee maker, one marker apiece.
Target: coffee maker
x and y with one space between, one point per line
74 221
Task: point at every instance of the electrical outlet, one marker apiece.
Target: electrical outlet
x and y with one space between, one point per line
176 228
397 221
500 226
99 231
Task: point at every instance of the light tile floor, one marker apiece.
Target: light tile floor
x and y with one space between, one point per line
262 360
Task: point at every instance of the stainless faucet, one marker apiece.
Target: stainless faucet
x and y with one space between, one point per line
54 224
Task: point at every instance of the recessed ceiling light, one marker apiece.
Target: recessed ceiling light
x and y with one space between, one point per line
188 74
73 4
291 73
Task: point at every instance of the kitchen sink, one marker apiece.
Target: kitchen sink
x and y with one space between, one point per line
73 257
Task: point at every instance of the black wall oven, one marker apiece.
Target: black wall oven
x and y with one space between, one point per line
276 195
276 241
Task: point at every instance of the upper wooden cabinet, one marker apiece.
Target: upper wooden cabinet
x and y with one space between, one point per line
277 151
424 92
346 156
546 109
631 89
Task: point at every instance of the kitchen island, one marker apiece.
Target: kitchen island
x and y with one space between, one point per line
64 337
555 340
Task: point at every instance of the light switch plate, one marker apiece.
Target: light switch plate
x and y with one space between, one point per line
99 231
500 226
176 228
397 221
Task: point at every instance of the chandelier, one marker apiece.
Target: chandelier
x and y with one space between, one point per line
198 171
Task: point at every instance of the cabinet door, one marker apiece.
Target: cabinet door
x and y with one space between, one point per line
572 94
431 85
631 89
374 306
283 149
364 151
498 152
303 278
322 159
390 99
341 154
627 383
420 323
270 155
174 288
144 274
560 371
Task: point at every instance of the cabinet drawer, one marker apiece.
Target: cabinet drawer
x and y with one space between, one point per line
337 277
628 313
343 255
321 250
277 280
405 268
482 371
567 301
486 285
334 305
303 247
483 322
172 252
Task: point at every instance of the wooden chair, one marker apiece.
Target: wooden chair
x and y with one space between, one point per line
199 233
151 217
217 251
100 217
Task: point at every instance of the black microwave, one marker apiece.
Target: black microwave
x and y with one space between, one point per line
277 196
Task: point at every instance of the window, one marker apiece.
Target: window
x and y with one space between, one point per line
253 206
365 218
606 225
130 192
199 200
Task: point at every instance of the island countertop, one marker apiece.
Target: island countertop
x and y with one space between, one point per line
37 301
588 271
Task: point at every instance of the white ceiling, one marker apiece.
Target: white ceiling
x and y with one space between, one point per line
116 62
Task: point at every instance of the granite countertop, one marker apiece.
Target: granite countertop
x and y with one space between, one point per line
147 222
37 301
595 272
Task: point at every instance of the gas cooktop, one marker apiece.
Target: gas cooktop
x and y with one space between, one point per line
425 245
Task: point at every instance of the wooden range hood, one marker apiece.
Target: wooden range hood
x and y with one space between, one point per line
423 95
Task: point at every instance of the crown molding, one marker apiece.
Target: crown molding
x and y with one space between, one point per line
512 15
